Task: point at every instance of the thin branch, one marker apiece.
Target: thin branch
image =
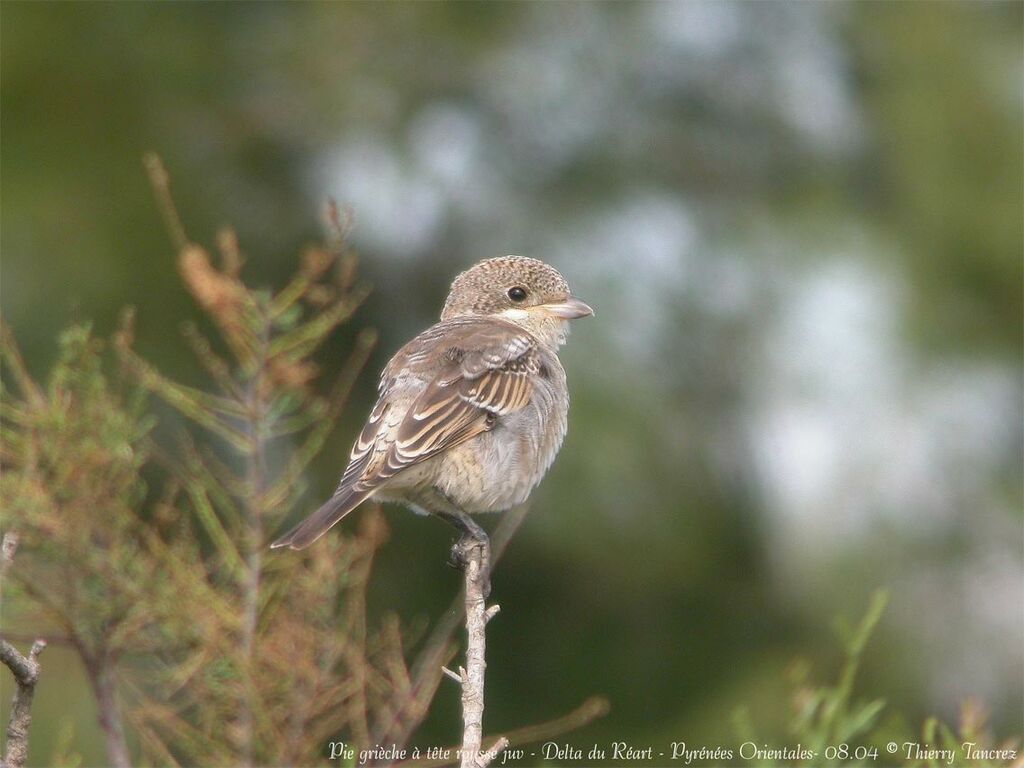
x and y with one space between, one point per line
23 637
7 550
24 668
585 713
26 673
160 181
478 569
9 351
439 639
437 649
215 365
314 441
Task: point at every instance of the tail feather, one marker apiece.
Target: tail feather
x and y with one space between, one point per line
318 523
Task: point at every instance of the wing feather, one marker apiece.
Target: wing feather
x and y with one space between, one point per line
485 372
468 371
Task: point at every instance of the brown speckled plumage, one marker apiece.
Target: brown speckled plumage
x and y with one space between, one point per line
483 288
472 411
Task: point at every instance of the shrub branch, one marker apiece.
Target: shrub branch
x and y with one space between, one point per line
26 672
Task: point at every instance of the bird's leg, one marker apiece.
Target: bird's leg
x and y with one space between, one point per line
472 537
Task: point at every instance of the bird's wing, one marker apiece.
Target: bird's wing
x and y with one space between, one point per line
444 387
482 369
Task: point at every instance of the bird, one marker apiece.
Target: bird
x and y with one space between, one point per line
471 412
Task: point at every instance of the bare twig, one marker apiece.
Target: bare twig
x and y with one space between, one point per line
588 711
437 649
7 550
26 672
434 648
10 353
478 571
25 637
160 181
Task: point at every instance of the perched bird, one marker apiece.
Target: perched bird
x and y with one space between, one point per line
472 411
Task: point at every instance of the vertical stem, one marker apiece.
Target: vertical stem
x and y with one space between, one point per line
102 678
255 482
409 712
251 613
478 570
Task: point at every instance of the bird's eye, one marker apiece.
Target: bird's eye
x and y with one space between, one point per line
516 293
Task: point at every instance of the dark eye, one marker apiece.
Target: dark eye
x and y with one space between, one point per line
516 293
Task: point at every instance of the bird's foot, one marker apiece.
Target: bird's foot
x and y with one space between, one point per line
469 547
462 551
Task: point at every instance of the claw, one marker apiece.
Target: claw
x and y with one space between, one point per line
460 553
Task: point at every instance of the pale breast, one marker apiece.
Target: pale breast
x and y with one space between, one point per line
498 469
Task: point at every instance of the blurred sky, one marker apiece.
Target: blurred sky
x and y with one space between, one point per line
799 224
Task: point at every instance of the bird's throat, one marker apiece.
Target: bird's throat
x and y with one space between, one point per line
549 330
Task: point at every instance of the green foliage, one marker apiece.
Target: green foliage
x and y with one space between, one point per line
72 488
273 655
218 654
828 715
835 729
210 649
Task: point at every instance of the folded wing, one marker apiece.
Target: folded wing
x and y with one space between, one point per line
446 386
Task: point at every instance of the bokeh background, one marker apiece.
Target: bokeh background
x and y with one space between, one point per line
799 223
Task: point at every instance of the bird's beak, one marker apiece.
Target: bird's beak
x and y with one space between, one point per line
569 309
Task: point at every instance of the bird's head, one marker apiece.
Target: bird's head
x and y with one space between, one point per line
518 289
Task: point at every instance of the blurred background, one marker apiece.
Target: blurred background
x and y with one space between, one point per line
800 227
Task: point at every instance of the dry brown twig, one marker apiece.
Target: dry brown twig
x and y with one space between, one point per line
588 711
26 673
266 393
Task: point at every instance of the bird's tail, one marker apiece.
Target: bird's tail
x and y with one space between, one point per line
318 523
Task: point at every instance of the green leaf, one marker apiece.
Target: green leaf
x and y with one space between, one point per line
879 600
859 721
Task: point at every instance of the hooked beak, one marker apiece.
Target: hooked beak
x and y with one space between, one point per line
570 309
